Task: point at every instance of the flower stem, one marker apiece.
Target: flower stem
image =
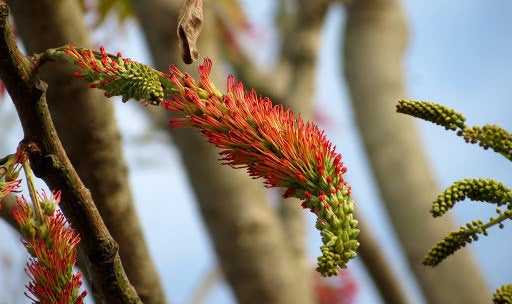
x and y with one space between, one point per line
32 191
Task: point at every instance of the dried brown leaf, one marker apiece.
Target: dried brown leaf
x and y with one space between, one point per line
190 22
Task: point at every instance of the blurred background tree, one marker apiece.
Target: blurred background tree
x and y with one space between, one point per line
260 241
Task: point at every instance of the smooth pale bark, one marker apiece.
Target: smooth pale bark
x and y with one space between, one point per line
247 233
375 40
85 121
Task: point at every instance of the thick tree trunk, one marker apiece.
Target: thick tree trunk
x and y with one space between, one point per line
86 125
375 40
246 232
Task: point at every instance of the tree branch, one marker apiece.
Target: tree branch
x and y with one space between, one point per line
86 125
49 161
375 40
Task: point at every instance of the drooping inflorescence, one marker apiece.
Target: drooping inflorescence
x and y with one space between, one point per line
273 144
269 141
449 244
490 136
433 112
484 190
481 189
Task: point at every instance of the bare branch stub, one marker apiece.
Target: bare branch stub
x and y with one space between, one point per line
190 21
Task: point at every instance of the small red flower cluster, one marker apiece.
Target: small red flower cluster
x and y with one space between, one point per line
52 245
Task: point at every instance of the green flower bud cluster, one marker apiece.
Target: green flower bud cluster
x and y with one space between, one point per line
485 190
502 295
9 171
481 189
338 230
447 246
116 75
451 243
490 136
137 81
433 112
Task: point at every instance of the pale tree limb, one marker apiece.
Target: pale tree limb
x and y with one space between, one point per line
86 124
247 234
375 40
294 87
300 31
290 82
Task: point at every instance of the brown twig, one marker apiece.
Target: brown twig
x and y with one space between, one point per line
49 161
87 127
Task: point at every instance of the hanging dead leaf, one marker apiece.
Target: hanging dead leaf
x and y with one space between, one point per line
190 22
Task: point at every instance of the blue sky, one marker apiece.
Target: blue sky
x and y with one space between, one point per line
459 55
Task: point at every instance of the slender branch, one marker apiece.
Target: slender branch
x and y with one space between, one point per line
375 30
87 127
50 163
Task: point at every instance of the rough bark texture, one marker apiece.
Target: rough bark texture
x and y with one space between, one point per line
375 40
85 122
246 232
49 161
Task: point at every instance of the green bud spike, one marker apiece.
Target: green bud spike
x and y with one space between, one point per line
485 190
490 136
433 112
447 246
115 75
503 295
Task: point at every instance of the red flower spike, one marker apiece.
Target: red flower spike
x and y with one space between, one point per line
274 144
52 245
270 142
